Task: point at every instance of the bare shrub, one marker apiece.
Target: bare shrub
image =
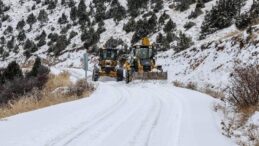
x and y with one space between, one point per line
47 96
213 93
81 88
244 91
55 81
192 86
178 84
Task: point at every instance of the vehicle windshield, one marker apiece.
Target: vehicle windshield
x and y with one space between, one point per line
144 53
108 55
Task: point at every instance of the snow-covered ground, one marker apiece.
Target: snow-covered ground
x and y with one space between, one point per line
138 114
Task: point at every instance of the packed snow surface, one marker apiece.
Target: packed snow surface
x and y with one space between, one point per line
138 114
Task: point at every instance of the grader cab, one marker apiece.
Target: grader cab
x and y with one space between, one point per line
108 65
142 65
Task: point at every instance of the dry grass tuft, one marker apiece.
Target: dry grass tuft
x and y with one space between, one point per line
178 84
49 95
213 93
61 80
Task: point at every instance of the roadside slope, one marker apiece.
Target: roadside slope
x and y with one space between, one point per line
145 114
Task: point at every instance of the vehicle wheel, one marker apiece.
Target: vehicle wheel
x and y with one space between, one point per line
95 75
128 77
119 75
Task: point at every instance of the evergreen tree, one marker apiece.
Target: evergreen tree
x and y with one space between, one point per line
35 68
63 19
63 2
10 44
8 30
12 71
60 45
21 36
73 14
130 26
170 25
20 25
200 4
43 16
221 16
100 12
71 3
141 31
43 35
51 5
31 19
2 40
163 17
152 22
134 6
116 11
183 43
81 13
28 45
158 5
184 4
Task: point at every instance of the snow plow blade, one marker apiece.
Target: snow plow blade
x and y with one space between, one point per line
150 76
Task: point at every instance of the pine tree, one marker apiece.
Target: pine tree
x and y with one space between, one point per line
221 16
2 40
35 68
63 19
163 17
63 2
71 3
8 30
20 25
200 4
28 45
184 4
12 71
31 19
51 5
100 12
81 13
134 6
60 45
152 22
21 36
73 14
130 26
158 5
183 43
170 25
43 35
10 44
43 16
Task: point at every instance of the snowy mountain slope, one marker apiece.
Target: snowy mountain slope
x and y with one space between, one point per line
19 11
216 65
211 64
140 114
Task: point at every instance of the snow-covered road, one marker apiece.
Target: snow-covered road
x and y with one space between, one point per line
143 114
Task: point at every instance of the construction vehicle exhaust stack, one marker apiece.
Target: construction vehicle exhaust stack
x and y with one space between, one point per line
141 64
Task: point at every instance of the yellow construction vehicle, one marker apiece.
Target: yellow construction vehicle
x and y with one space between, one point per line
107 65
142 64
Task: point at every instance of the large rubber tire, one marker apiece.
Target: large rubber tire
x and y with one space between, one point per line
128 77
95 75
119 75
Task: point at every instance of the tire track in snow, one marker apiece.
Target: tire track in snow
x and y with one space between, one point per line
147 125
77 131
107 127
